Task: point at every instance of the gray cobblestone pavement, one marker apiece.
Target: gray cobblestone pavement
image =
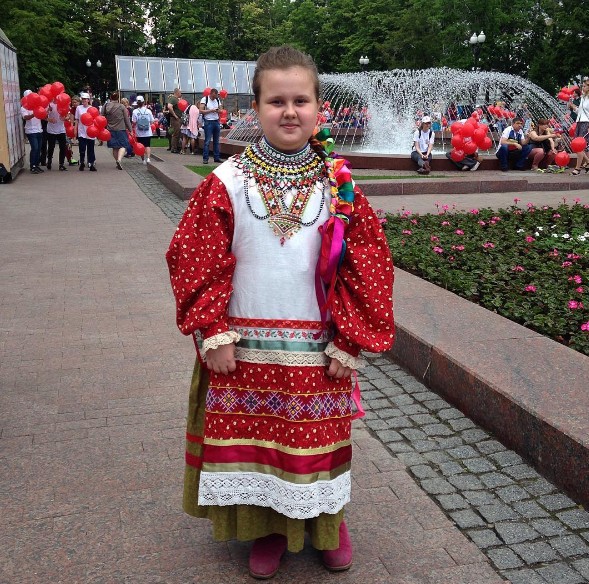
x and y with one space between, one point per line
531 532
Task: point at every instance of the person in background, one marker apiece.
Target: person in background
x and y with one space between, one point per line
175 115
513 146
209 108
582 128
423 143
55 133
542 141
142 120
119 124
34 132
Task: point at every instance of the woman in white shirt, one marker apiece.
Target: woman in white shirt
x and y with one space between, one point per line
55 133
582 129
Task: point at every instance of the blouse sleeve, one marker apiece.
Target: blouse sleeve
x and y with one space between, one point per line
362 304
201 263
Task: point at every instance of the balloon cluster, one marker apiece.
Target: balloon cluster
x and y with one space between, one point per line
38 102
468 137
500 112
95 124
566 93
138 148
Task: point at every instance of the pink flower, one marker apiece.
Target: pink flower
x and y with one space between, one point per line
459 232
575 305
516 200
474 211
488 245
530 205
496 218
554 253
576 279
576 201
573 256
445 207
556 215
580 289
529 238
407 232
482 223
585 326
445 222
413 221
458 247
518 269
438 249
434 238
530 288
566 264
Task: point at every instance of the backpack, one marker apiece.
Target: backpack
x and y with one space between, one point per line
143 121
186 116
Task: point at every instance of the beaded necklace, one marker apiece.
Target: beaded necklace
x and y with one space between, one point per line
277 175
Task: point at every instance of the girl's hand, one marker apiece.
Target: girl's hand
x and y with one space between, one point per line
337 370
222 359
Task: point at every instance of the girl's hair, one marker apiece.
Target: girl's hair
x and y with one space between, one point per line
114 96
124 101
283 57
540 122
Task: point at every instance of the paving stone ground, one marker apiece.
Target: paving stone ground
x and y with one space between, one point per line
531 532
94 380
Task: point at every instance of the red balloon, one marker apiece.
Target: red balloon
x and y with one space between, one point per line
562 158
572 130
67 124
40 112
33 100
92 131
139 149
479 135
444 122
63 111
577 145
43 101
63 98
24 102
470 147
69 130
457 141
457 155
86 118
486 143
56 88
154 127
467 130
47 91
104 135
182 104
456 127
207 91
100 122
132 139
223 93
93 111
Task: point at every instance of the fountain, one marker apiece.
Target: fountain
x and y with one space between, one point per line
375 113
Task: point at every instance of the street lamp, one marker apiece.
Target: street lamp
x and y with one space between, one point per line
475 44
96 75
363 62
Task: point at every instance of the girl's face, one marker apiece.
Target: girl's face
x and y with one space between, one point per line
287 108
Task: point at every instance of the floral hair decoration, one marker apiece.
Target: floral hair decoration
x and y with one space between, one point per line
333 243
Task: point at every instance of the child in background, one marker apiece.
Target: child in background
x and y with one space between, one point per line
269 447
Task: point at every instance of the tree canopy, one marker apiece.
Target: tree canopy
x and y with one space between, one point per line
55 38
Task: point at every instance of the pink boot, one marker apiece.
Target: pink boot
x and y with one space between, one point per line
265 556
341 558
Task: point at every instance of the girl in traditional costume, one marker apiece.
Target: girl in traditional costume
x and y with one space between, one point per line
282 273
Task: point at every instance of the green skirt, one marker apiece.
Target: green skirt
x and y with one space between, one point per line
246 522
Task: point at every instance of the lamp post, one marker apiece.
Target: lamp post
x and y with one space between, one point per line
475 44
363 62
95 74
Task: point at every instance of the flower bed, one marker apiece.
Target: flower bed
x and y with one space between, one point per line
527 263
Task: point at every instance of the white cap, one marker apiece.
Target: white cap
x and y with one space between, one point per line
140 98
27 92
426 120
84 95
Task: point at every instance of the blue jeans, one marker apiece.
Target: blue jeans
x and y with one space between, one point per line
212 129
518 156
35 141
